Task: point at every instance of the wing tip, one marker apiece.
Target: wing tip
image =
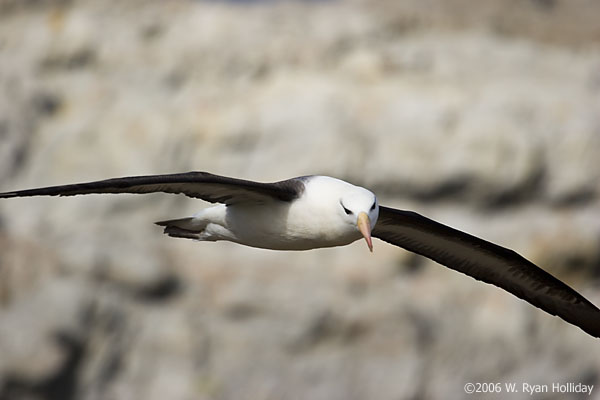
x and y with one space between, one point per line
32 193
587 320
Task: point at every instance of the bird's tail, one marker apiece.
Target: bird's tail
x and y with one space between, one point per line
187 228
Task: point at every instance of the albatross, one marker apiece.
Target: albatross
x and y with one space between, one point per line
315 211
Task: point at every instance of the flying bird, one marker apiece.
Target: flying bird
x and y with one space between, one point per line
314 211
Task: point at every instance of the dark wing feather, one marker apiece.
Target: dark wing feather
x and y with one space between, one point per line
487 262
201 185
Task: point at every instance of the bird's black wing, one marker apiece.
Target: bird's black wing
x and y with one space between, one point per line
487 262
201 185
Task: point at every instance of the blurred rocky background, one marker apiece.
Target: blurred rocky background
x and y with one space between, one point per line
484 115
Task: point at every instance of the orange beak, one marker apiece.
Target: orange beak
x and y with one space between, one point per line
364 226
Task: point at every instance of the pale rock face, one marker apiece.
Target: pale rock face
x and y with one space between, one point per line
486 120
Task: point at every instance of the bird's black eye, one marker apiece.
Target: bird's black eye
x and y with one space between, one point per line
373 206
348 212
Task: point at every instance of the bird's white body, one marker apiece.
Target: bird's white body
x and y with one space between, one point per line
316 219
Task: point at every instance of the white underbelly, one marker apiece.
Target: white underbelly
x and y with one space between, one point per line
282 243
279 229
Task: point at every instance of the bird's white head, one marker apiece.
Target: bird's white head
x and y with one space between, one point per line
340 211
359 207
